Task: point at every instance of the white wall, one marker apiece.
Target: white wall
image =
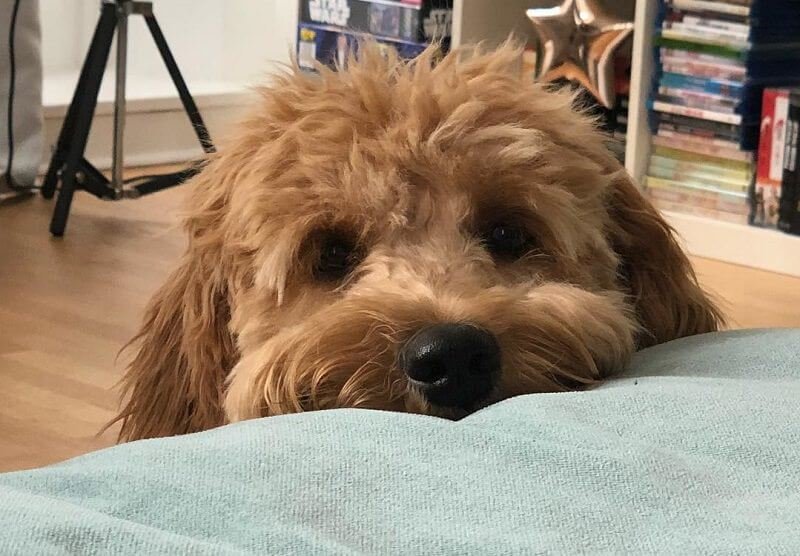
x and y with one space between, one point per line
65 32
223 47
236 41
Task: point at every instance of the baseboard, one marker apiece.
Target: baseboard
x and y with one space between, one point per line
157 130
738 243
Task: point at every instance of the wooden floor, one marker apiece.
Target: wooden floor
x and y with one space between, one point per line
68 305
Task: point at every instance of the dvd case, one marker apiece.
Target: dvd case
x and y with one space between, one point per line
789 208
690 112
394 19
769 171
727 88
331 46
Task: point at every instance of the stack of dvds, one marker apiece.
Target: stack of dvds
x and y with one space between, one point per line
713 60
329 29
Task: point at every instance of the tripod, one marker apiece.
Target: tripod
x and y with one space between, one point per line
68 163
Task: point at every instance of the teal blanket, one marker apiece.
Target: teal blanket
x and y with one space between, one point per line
694 450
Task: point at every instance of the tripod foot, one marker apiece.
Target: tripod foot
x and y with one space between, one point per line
59 222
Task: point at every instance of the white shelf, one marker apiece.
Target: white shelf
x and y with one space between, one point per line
739 244
637 145
705 237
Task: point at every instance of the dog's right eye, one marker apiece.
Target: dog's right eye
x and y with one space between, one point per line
506 241
336 258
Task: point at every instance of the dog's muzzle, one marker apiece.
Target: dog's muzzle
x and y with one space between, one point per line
452 365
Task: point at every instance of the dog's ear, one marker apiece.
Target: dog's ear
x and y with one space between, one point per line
174 384
656 272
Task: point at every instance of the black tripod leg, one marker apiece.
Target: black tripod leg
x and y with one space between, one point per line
175 73
82 114
68 127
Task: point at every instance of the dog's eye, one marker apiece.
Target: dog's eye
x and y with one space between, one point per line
507 240
336 258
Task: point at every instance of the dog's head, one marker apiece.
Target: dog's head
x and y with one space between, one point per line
407 236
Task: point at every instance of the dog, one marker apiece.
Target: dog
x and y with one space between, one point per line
429 236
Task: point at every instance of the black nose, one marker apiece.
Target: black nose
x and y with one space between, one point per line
453 365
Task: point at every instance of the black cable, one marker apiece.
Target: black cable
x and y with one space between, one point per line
12 73
12 78
144 177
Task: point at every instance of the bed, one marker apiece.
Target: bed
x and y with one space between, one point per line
696 449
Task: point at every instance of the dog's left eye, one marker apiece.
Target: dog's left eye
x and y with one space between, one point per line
336 258
506 240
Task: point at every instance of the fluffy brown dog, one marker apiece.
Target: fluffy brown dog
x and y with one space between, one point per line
423 237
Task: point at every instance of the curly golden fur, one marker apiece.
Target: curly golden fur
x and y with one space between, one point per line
409 162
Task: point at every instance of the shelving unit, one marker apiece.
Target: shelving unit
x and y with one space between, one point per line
705 237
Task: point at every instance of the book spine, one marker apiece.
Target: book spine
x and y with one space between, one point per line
696 137
700 57
679 192
700 127
660 106
700 48
698 95
705 165
702 181
702 38
702 69
678 154
685 207
765 144
711 34
701 148
775 106
726 106
741 29
789 208
711 6
730 89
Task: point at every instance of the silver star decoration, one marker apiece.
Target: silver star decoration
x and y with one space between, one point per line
577 41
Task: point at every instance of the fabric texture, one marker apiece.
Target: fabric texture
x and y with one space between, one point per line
26 113
693 451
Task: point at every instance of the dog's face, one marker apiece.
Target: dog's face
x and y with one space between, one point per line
407 237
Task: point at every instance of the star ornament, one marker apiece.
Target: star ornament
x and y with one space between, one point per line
577 42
